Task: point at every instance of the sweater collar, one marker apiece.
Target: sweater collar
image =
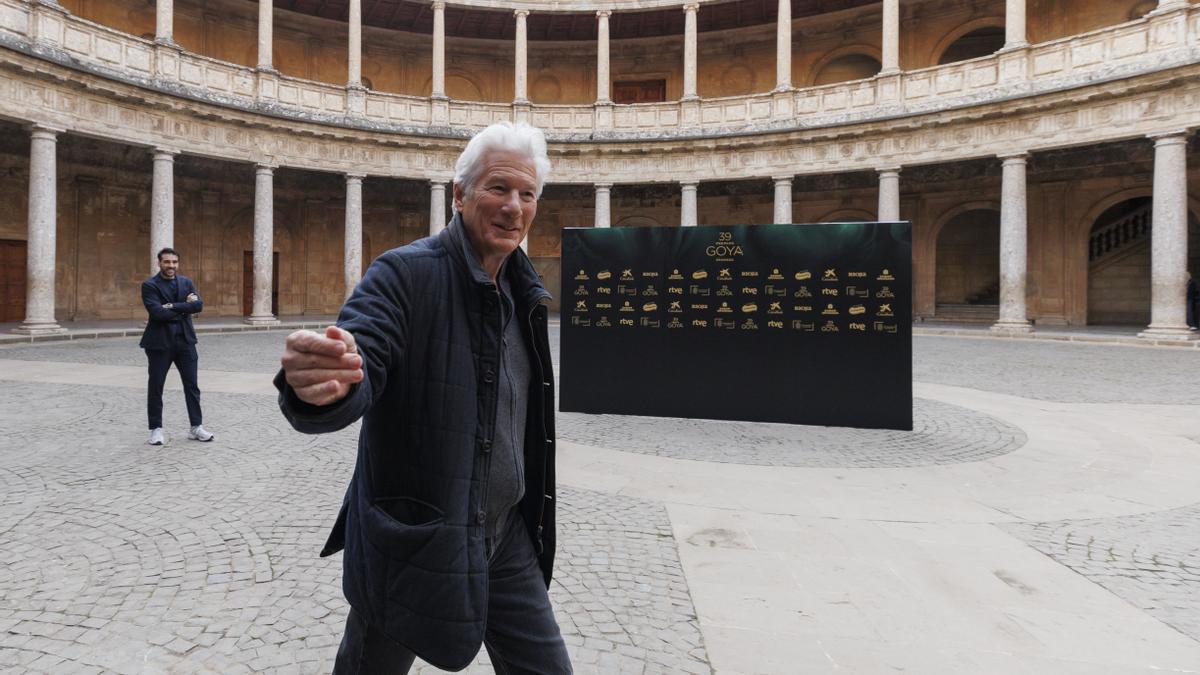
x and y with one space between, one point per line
526 283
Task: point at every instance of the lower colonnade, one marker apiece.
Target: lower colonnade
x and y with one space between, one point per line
1043 157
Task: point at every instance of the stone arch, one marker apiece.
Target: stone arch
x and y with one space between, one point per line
546 89
638 221
737 80
936 56
854 60
1078 266
460 86
965 247
845 215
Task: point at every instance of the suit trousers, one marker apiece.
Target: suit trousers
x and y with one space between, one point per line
522 635
186 361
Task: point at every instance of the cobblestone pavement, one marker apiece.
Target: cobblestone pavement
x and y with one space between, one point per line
942 434
119 557
251 352
1152 560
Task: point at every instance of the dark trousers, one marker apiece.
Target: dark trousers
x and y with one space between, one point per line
522 635
184 356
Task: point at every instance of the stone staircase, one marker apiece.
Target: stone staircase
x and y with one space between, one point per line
1118 237
965 313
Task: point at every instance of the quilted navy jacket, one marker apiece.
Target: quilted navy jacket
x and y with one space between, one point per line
428 329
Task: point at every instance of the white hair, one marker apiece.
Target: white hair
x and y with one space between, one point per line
520 137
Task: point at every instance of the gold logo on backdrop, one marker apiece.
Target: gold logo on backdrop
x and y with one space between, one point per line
649 275
581 306
724 308
803 308
856 292
699 290
830 310
829 291
860 327
886 275
885 309
604 290
802 293
700 274
775 275
725 249
699 323
829 327
777 291
774 324
829 275
749 324
622 289
603 274
647 322
749 290
749 274
649 290
674 290
699 306
857 275
724 274
775 308
724 290
674 323
650 307
582 276
626 275
625 322
855 310
885 327
675 306
750 307
580 321
806 326
603 305
626 307
885 292
603 322
727 324
675 275
803 275
581 291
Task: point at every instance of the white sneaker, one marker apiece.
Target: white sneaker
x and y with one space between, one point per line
199 433
156 437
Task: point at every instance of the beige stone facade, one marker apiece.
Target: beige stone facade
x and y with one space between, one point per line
210 100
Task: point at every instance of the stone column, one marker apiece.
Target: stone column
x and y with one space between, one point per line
783 199
1171 5
437 207
602 76
1013 253
164 22
687 207
43 212
521 74
1014 25
1169 240
352 252
603 205
438 84
689 50
354 55
783 46
264 246
891 37
266 18
889 195
162 205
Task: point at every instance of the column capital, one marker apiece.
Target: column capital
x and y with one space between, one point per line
602 186
1169 137
520 13
691 6
689 184
783 179
261 168
355 176
164 153
882 170
1016 157
438 4
603 13
439 182
45 131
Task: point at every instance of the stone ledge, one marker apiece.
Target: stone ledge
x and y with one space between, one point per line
1093 338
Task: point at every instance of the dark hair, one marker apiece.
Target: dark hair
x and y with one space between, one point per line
167 250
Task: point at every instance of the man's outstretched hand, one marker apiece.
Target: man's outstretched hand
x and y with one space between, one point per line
321 368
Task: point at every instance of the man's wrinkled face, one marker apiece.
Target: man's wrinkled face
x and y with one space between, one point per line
500 210
168 264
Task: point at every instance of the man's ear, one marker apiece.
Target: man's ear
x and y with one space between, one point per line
458 197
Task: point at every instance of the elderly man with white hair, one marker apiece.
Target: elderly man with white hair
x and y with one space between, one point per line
442 350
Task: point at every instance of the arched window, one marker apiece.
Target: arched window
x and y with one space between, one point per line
847 68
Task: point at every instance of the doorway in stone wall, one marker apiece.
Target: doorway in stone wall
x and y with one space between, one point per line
248 283
967 281
1119 261
13 255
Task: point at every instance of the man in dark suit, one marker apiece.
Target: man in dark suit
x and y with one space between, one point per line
171 300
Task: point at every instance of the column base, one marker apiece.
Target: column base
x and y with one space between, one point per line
39 328
263 320
1012 327
1175 333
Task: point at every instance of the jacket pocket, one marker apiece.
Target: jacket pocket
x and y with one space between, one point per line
402 526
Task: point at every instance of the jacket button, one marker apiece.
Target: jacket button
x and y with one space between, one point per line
480 517
489 376
487 445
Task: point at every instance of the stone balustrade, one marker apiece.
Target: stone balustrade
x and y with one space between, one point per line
1118 52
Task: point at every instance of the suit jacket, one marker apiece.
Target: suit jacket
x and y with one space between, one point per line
156 292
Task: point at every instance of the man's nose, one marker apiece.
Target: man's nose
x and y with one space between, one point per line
512 204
